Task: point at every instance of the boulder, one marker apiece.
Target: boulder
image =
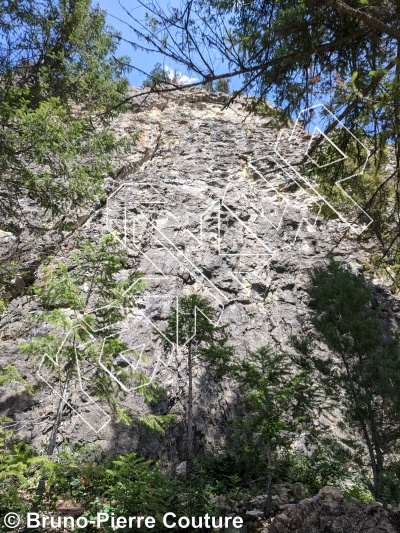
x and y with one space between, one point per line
299 491
331 494
375 505
254 514
180 470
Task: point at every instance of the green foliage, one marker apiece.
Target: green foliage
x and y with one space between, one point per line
16 474
194 494
59 159
390 492
59 49
126 486
60 84
9 270
362 370
195 325
138 488
222 86
157 423
157 77
9 374
63 164
347 195
327 464
219 86
218 472
277 407
209 86
358 491
346 321
277 398
87 279
85 303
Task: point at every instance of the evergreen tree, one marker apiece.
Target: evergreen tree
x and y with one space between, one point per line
362 372
194 331
278 405
58 77
157 77
209 86
222 86
85 304
60 83
83 299
59 49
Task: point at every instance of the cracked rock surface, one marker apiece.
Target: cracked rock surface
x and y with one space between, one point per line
202 204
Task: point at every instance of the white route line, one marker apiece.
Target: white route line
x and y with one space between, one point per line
124 194
182 259
56 364
300 177
304 219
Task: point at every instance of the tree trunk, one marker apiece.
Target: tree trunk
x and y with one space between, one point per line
189 450
376 462
268 501
40 489
378 473
58 418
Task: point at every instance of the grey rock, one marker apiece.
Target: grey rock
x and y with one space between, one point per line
331 494
299 491
180 470
206 207
254 514
311 516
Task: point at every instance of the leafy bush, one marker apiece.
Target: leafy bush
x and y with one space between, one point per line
126 486
359 491
17 470
391 484
328 464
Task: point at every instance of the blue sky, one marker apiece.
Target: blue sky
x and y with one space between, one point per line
146 61
142 60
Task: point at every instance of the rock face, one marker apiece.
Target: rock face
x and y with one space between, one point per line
207 202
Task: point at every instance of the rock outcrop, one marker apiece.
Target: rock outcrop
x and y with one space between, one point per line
328 513
207 202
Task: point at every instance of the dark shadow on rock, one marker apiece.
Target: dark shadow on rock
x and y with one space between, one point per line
16 403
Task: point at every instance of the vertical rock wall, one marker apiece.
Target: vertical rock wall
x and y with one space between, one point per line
207 202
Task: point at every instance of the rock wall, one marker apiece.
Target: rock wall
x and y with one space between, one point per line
207 202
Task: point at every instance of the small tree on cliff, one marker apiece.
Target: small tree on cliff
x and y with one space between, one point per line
222 86
193 328
83 304
157 77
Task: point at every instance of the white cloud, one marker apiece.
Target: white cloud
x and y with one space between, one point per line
181 78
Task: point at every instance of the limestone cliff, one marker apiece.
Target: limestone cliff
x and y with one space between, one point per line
206 202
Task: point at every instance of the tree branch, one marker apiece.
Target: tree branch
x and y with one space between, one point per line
370 21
